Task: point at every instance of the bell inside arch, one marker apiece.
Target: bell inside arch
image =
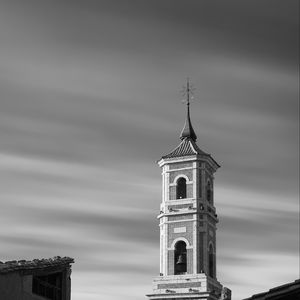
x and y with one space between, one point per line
181 259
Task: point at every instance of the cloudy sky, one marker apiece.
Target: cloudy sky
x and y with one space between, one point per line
90 99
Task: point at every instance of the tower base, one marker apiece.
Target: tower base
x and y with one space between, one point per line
188 287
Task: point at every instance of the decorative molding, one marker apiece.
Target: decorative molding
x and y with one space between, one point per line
188 246
179 229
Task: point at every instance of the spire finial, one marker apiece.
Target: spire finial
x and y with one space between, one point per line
188 91
188 131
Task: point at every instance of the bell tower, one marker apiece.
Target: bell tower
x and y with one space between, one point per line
187 222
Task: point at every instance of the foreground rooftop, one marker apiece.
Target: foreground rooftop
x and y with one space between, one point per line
18 265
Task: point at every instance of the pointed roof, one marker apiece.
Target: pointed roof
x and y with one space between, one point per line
188 131
187 147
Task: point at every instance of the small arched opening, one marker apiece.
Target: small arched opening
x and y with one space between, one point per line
180 258
181 188
211 261
208 192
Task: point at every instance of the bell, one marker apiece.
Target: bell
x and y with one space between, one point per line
181 259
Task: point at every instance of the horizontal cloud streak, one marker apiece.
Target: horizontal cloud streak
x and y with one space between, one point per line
90 101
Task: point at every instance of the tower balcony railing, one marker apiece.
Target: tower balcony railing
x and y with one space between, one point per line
170 208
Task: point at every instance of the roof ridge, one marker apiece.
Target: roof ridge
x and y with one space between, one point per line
193 147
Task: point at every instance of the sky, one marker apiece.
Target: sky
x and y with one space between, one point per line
90 100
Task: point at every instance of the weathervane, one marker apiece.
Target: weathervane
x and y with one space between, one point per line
187 91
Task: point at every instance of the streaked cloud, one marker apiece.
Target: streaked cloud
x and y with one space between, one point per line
90 100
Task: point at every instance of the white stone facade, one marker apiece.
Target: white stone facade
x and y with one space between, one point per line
191 220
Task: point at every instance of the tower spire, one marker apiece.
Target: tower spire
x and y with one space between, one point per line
188 131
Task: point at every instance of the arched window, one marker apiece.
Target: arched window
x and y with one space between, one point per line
181 188
180 258
211 261
208 191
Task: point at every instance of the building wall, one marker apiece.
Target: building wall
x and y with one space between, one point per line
191 219
11 286
17 286
180 230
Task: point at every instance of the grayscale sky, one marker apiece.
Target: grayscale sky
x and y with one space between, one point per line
90 100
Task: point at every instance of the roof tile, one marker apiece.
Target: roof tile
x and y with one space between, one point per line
13 265
186 148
